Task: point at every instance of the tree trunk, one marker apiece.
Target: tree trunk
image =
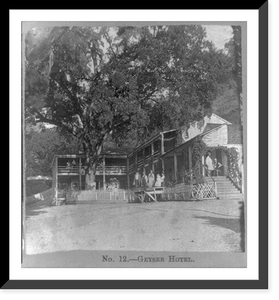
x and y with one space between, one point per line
238 70
92 158
91 177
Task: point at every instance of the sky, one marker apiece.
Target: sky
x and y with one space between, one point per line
219 34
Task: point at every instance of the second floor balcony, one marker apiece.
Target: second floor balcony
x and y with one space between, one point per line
76 170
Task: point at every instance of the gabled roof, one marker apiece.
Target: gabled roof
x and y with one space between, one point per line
210 126
225 121
209 129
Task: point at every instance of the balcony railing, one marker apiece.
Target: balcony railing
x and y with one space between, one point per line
112 170
147 157
131 168
68 170
109 170
156 155
140 163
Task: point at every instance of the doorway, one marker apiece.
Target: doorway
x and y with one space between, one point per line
222 158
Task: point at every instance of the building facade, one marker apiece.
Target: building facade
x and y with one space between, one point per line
219 136
169 152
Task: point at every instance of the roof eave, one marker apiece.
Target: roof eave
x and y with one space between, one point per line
201 134
149 141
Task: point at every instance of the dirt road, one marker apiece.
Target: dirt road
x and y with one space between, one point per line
206 226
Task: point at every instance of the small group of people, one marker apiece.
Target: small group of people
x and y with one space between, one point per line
213 166
145 181
71 164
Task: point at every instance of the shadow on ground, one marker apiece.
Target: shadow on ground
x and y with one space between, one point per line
232 224
235 224
35 209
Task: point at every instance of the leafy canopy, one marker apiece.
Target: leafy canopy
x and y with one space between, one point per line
122 84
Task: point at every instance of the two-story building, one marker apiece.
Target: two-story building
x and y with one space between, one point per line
69 170
169 152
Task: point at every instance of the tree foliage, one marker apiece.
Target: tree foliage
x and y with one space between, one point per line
122 83
41 146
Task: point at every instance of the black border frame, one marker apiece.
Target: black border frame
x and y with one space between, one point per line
262 282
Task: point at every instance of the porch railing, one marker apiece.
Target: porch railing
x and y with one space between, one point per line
156 154
201 188
131 168
188 176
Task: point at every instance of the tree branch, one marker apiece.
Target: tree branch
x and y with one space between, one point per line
43 119
65 89
110 45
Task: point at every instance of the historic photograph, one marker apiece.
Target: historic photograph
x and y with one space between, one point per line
133 144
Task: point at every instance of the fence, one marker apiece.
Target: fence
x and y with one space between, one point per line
96 195
200 191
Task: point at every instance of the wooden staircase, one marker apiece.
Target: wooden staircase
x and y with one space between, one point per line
225 188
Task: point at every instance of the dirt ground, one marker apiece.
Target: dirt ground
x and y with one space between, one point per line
203 226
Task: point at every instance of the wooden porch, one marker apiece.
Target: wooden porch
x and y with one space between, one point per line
148 194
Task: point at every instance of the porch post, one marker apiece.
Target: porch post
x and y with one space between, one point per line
190 157
104 173
136 161
225 163
162 143
163 165
175 165
143 158
56 178
203 171
128 173
152 157
80 173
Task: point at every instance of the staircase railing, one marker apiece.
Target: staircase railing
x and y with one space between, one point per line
236 181
209 175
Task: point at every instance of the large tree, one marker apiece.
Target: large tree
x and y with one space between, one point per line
119 83
233 50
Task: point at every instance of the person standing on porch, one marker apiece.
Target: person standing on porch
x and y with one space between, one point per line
209 164
217 167
151 179
144 180
137 179
162 179
158 180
